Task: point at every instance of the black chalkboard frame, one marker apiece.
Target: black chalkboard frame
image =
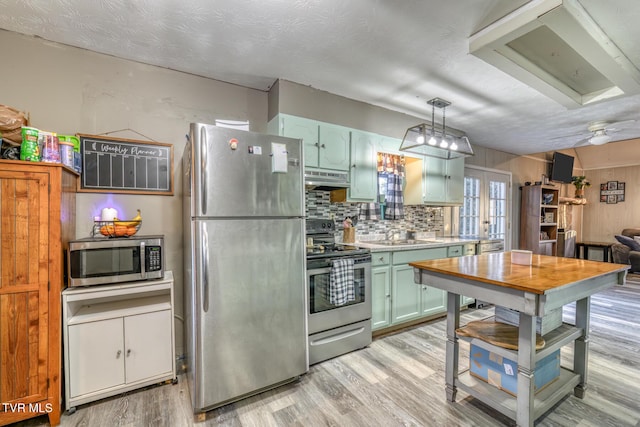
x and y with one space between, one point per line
119 147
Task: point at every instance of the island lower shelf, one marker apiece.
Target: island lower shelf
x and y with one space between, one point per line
507 404
558 338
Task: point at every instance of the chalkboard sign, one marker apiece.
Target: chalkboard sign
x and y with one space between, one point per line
117 165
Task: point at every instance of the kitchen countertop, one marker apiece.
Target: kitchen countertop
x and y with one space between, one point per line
439 242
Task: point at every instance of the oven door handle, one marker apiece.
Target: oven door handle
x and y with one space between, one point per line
143 255
318 271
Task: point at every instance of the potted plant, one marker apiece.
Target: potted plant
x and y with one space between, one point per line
580 182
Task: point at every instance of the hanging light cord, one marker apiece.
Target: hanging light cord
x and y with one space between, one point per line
444 132
433 120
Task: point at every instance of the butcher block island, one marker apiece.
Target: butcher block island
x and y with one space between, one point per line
533 290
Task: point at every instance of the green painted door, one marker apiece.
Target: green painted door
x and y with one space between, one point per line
435 180
434 301
307 130
380 297
405 294
334 147
363 176
455 180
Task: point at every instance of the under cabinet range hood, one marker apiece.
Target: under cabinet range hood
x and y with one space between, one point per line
317 179
557 48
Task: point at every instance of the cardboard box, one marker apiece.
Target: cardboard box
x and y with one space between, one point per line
544 325
503 373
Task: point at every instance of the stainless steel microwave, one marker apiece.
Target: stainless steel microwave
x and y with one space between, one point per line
101 261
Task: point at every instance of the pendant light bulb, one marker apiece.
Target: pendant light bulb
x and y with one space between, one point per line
432 141
420 139
454 146
444 143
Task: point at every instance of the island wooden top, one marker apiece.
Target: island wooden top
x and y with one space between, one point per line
544 273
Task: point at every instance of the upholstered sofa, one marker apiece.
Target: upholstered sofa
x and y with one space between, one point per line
627 251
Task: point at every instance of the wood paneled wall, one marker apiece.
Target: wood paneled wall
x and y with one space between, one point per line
602 221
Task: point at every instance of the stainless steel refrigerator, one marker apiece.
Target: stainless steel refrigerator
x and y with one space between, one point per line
245 294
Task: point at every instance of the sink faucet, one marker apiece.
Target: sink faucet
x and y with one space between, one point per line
389 234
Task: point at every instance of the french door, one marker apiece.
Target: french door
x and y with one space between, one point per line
485 213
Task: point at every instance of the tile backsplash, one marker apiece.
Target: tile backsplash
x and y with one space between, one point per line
418 218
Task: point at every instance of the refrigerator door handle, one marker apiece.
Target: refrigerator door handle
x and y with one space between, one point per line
205 269
204 172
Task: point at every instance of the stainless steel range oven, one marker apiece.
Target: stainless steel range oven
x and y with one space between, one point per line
338 322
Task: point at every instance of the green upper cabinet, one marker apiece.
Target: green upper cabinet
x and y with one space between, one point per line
305 129
363 174
444 180
326 146
389 145
334 147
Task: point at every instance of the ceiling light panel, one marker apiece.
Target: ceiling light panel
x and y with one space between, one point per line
555 47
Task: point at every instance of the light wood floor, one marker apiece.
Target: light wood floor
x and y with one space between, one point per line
399 381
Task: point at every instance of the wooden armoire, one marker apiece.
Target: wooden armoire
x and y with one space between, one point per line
37 218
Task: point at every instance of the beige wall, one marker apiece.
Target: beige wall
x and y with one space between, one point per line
304 101
616 161
601 220
69 90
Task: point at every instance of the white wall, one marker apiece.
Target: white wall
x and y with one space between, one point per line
69 90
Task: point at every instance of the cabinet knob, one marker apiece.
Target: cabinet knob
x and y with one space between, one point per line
118 354
322 146
381 259
388 295
128 352
316 144
353 165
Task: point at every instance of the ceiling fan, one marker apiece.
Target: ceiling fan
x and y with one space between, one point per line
603 132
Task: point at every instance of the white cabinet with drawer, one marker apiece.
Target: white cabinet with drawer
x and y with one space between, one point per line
117 338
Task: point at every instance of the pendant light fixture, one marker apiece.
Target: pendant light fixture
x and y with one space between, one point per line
428 141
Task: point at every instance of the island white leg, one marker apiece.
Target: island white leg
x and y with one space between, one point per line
581 346
526 367
451 363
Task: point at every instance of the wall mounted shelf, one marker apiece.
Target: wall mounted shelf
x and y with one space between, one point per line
572 201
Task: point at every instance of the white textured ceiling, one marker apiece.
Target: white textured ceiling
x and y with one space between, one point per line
395 54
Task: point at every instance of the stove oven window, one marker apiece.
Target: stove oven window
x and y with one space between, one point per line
319 290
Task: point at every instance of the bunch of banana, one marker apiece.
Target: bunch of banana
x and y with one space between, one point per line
130 223
122 228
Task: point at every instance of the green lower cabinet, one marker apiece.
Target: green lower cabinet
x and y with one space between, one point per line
466 301
434 301
405 295
395 297
380 297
